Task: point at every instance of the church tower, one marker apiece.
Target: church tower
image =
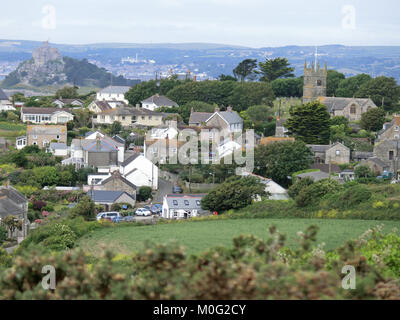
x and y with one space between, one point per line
314 82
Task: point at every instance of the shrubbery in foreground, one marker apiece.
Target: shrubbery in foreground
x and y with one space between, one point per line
251 269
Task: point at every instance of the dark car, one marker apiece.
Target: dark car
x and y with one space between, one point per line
156 208
177 189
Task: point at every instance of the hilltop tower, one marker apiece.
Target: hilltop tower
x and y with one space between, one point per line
314 82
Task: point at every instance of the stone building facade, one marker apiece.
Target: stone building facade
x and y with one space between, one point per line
43 135
315 79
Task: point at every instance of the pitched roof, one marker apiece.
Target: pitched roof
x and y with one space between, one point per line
115 90
319 147
102 105
118 177
199 117
316 175
36 110
46 129
10 201
325 167
58 146
68 101
160 101
338 103
3 95
378 162
104 196
118 139
184 201
130 159
101 145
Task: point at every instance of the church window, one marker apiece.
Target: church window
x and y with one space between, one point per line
353 109
391 155
319 83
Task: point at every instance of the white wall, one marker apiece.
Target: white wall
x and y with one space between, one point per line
149 172
110 97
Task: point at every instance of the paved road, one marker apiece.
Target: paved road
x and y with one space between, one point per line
164 187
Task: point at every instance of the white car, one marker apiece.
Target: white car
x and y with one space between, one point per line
143 212
107 215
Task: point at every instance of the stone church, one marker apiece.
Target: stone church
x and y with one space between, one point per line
314 89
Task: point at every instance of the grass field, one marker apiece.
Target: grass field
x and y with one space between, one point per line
198 236
11 130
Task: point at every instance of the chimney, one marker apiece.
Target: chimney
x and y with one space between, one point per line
397 119
137 106
229 109
216 109
192 110
98 142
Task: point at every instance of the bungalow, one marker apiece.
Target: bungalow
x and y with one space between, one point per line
45 115
61 103
108 198
113 93
42 136
182 206
158 101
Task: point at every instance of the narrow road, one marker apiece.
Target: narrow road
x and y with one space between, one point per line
164 187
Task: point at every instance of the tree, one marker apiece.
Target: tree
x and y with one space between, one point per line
381 90
332 82
225 77
67 93
85 208
245 69
363 171
291 87
234 193
144 194
310 123
273 69
373 119
316 191
12 223
348 87
279 160
116 128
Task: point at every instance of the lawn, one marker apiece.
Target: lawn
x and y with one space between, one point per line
198 236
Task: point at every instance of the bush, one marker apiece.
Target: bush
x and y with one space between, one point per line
61 237
119 206
317 191
39 205
363 171
350 197
299 185
85 208
144 194
3 234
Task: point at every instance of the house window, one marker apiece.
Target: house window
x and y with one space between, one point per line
149 117
396 128
142 117
396 136
338 152
186 202
123 117
58 137
391 155
353 109
175 202
319 83
112 118
35 136
198 202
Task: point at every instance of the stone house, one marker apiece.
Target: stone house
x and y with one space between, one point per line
376 165
43 135
116 182
391 130
388 151
228 120
182 206
336 153
113 93
108 198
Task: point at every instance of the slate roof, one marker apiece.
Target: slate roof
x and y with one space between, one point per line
319 147
115 90
103 105
160 101
104 196
130 159
46 129
119 177
337 103
378 162
199 117
324 167
316 175
58 146
10 201
36 110
3 95
118 139
180 201
99 146
231 116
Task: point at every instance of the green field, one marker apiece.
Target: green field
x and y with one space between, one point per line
198 236
11 130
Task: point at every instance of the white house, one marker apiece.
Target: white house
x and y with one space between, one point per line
113 93
182 206
58 149
140 171
226 148
5 103
275 190
61 103
158 101
45 115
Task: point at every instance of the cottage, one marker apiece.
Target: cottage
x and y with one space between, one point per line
46 115
42 136
336 153
113 93
391 130
108 198
376 165
58 149
182 206
223 120
140 171
158 101
315 175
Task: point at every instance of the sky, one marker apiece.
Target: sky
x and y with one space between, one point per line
252 23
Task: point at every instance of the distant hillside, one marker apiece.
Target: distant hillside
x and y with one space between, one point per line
48 67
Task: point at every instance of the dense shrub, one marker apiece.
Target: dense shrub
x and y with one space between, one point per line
144 194
299 185
348 198
316 191
85 208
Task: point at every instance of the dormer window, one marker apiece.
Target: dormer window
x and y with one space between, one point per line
175 202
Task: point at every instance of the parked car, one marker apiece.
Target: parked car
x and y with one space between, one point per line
107 215
156 208
129 219
143 212
177 189
117 219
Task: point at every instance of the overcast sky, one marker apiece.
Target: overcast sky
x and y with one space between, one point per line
255 23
